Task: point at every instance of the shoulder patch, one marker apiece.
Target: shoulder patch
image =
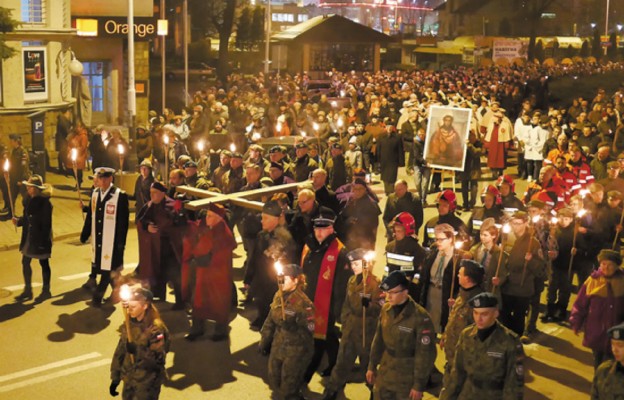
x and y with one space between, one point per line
425 340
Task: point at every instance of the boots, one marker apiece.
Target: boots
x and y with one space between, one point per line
561 313
90 285
27 294
45 294
197 330
220 333
330 395
549 316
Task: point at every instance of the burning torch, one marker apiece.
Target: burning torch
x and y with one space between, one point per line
535 220
577 225
505 231
125 293
7 166
368 261
280 283
74 157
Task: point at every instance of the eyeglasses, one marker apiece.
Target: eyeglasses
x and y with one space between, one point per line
395 291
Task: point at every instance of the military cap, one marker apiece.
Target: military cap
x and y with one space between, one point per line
484 300
614 165
146 163
256 147
277 165
523 215
16 137
616 194
616 332
301 145
536 203
183 159
357 254
104 172
34 181
326 217
566 212
226 153
276 149
272 207
337 146
610 255
159 186
473 270
332 139
237 155
394 279
142 293
292 270
190 164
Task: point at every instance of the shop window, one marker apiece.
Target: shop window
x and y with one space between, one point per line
94 72
33 11
302 17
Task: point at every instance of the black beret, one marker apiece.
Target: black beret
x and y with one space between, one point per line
484 300
142 293
159 186
473 270
520 215
616 332
272 208
276 149
337 146
357 254
237 155
394 279
190 164
301 145
610 255
292 270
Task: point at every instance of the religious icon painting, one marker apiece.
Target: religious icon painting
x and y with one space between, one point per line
447 137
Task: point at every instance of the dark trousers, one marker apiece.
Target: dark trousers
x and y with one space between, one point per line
559 288
600 357
533 168
534 307
514 312
27 273
521 165
170 271
469 191
105 280
330 346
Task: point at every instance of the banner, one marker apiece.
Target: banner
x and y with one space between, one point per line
509 49
35 70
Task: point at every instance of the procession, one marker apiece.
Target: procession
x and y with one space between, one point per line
351 240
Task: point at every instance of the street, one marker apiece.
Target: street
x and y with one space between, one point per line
61 349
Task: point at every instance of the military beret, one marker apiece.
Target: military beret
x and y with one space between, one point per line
616 332
614 194
226 153
190 164
277 165
256 147
337 146
473 270
159 186
523 215
326 217
272 208
566 212
142 293
292 270
357 254
483 300
301 145
104 172
276 149
610 255
614 165
394 279
237 155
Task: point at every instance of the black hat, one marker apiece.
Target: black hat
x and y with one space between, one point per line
292 270
337 146
326 217
226 153
190 164
610 255
484 300
473 270
301 145
159 186
357 254
272 208
142 293
616 332
523 215
276 149
394 279
277 165
104 172
237 155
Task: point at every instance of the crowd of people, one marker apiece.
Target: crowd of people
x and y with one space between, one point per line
473 288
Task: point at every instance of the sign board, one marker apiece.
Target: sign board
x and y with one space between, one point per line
35 73
38 141
144 28
111 8
509 49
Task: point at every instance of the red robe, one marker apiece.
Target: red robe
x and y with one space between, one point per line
208 254
496 150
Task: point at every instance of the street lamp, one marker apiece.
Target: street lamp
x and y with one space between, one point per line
163 30
131 85
267 39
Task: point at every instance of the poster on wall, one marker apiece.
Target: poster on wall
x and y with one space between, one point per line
509 49
35 70
447 134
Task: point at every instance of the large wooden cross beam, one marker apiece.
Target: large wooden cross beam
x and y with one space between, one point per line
243 199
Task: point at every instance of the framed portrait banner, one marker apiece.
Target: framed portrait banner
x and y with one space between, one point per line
447 133
35 73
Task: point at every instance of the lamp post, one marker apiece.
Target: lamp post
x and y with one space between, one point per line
131 84
267 40
163 30
185 44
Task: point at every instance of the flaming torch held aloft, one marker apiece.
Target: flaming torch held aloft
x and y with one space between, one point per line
535 220
577 225
120 150
7 178
504 232
74 157
233 148
617 232
125 293
166 146
458 245
369 257
279 269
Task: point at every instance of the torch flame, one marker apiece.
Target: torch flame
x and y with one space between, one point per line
581 212
506 228
166 139
200 145
278 127
315 126
249 127
6 165
536 219
334 103
340 123
554 220
74 154
279 268
232 147
120 149
303 134
459 244
256 136
125 293
369 256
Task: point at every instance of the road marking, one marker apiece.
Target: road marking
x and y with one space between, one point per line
45 378
74 276
56 364
18 287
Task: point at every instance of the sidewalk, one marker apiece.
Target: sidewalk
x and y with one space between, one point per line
66 217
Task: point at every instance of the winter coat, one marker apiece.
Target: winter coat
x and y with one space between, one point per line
36 226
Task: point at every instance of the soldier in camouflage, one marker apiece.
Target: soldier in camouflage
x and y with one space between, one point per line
140 361
488 361
361 301
404 345
287 334
609 379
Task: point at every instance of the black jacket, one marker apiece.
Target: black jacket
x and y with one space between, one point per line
36 226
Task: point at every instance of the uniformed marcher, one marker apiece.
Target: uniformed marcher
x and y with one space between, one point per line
488 362
288 336
106 224
608 381
403 351
140 361
304 164
362 300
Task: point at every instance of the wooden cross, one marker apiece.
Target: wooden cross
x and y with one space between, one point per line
242 199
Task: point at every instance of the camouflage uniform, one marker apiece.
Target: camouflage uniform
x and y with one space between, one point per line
608 382
143 377
351 317
405 347
290 341
491 369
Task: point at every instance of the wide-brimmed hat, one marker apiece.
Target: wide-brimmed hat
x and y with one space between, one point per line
35 181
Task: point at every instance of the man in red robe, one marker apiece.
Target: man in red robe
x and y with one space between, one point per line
497 139
208 250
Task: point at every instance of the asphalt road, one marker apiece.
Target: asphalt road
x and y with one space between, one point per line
61 349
